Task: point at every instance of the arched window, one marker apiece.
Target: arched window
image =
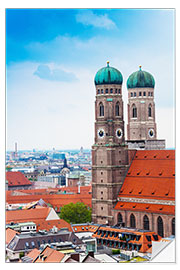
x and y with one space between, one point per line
150 110
173 226
132 221
134 111
146 222
117 109
119 218
160 227
101 109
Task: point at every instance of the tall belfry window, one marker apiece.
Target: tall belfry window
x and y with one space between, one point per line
146 222
101 109
117 109
150 110
134 111
160 227
120 219
132 221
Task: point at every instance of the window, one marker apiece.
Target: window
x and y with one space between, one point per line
119 91
107 91
111 91
146 222
117 109
134 111
134 94
144 94
149 110
119 218
98 91
132 221
101 109
140 94
116 90
101 192
102 91
149 93
160 227
173 226
131 94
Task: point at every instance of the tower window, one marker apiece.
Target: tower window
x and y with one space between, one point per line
140 94
102 91
144 94
101 173
107 91
116 90
101 192
131 94
134 112
117 109
111 90
134 94
101 109
150 111
119 91
149 93
98 91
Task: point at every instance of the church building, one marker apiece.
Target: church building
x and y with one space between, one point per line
130 186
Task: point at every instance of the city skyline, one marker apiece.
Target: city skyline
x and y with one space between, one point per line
53 56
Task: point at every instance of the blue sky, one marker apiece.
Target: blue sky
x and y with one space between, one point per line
52 56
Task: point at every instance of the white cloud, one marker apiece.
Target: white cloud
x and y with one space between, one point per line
89 18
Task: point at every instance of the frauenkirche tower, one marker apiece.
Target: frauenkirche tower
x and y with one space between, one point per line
109 153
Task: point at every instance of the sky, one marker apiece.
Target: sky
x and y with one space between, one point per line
52 56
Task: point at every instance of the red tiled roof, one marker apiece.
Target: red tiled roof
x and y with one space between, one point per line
146 207
143 241
34 215
48 224
84 227
56 200
33 254
10 233
151 175
17 179
49 255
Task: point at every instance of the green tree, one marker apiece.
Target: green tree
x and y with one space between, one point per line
76 213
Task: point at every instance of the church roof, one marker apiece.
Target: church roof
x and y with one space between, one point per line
151 176
140 79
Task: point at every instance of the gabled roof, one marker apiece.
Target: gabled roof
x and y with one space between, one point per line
49 255
151 175
48 224
17 179
10 233
35 215
31 256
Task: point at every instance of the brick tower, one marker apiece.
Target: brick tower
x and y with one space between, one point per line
109 153
141 128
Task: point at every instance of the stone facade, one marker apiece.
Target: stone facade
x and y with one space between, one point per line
153 221
109 153
141 114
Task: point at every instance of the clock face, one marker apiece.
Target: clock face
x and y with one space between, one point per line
151 133
119 133
101 133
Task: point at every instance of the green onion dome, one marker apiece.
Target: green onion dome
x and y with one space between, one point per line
139 79
108 75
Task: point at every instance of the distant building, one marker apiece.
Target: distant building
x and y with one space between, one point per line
16 180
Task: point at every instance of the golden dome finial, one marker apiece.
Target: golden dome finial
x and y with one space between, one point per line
140 67
107 63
